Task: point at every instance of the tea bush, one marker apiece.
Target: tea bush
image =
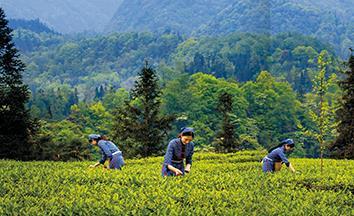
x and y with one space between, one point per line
219 184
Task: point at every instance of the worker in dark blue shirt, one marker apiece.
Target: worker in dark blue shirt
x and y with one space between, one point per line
272 162
179 149
109 151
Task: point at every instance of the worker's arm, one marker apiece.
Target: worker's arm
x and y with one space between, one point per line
168 159
291 168
175 170
95 165
189 157
286 161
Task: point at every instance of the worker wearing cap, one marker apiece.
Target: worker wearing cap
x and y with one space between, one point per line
272 162
109 151
179 149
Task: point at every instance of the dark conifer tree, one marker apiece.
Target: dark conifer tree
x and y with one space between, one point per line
72 99
99 93
302 84
226 141
343 147
102 92
139 124
15 122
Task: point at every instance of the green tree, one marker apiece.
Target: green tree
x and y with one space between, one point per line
321 107
139 124
273 106
62 140
343 147
92 118
115 98
16 125
54 102
226 140
194 99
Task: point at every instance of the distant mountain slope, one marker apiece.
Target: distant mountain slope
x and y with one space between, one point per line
183 16
330 20
64 16
33 25
241 16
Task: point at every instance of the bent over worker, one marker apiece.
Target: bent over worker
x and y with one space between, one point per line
109 152
272 162
179 149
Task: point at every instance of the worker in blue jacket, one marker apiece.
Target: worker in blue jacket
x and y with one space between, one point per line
177 150
109 152
272 162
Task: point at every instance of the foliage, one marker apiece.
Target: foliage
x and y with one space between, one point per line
111 59
329 20
219 184
67 139
114 60
343 146
67 75
16 125
53 102
274 107
226 140
242 56
93 118
194 99
28 40
139 123
322 105
62 140
115 99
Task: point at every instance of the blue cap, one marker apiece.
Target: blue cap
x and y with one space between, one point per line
288 142
187 130
94 137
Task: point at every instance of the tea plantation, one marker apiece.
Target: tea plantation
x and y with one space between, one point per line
219 184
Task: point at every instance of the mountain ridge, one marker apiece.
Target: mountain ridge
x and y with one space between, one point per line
64 16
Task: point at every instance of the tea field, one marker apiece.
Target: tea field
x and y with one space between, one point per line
219 184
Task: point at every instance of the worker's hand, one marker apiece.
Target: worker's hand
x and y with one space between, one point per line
188 168
291 168
94 165
178 172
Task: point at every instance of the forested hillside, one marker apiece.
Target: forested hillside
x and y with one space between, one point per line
76 84
330 21
79 84
32 25
114 60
